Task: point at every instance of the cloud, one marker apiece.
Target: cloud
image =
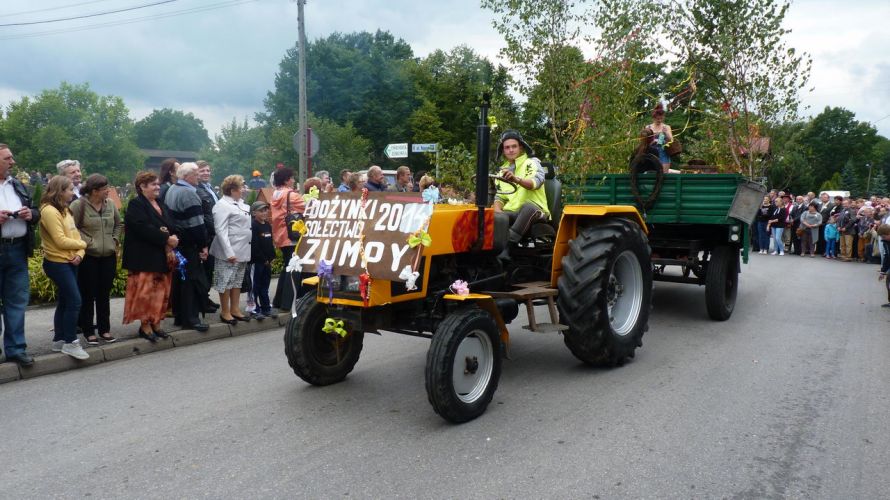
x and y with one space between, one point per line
219 64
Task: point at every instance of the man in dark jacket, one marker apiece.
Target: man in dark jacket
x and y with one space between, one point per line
825 210
18 216
797 209
189 297
846 226
208 200
376 179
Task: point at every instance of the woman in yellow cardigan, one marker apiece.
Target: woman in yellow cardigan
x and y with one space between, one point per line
63 251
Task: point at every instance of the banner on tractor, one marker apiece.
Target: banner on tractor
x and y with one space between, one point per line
342 228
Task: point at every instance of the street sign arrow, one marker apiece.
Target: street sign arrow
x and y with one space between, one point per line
399 150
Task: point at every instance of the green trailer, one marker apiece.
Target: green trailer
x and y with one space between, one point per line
699 226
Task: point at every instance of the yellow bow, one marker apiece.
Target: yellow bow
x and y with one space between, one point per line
420 237
298 226
332 325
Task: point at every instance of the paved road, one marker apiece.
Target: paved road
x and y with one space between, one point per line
788 399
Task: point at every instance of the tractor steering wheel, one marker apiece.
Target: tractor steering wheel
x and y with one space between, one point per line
496 177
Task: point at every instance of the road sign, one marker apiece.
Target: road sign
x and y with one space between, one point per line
314 143
424 148
396 150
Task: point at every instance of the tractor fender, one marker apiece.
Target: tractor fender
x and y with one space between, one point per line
574 216
486 303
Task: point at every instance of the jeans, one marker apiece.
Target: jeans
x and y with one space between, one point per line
777 237
831 248
262 276
64 275
762 236
94 280
15 290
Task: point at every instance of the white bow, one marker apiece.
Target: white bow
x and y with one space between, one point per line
410 278
295 264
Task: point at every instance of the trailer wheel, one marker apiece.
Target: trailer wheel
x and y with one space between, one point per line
605 291
463 365
318 357
722 282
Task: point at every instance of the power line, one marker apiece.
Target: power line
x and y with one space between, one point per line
95 14
48 9
221 5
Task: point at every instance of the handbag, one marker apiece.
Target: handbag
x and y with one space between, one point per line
799 232
290 218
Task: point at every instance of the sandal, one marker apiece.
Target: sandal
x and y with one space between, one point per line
92 340
107 337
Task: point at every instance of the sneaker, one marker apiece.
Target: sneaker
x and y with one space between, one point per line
74 350
57 345
781 253
773 253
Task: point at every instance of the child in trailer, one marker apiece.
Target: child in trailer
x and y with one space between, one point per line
262 252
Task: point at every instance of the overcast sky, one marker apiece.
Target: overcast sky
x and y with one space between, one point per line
218 58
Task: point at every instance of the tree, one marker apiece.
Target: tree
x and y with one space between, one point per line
73 122
585 110
237 149
341 146
171 129
878 183
361 78
736 51
834 138
449 86
850 179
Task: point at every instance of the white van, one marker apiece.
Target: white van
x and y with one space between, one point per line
832 194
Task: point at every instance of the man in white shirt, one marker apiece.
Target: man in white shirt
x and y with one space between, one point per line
17 220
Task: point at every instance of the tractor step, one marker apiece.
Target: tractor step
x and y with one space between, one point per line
547 328
529 294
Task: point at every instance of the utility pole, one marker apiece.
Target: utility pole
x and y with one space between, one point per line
868 183
303 173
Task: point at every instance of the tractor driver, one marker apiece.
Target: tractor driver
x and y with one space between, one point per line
528 204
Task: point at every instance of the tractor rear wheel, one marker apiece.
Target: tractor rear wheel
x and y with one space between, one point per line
463 365
316 356
605 292
722 282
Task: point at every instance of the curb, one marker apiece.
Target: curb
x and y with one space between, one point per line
57 362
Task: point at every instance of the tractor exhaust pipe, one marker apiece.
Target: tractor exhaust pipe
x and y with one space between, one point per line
483 146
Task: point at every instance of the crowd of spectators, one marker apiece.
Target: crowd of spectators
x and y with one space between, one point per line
832 227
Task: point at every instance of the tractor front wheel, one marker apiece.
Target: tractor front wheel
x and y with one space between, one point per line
316 356
463 365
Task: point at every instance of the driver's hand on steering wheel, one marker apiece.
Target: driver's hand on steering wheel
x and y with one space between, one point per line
508 175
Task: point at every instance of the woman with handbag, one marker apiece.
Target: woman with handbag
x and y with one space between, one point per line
287 205
100 227
231 248
149 258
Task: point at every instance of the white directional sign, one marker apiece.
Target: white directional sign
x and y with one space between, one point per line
424 148
396 150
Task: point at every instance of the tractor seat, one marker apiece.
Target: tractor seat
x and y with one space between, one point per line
553 190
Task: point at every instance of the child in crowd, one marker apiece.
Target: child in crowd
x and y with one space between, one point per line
262 252
831 237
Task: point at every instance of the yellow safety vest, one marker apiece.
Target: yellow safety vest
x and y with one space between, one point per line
525 169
